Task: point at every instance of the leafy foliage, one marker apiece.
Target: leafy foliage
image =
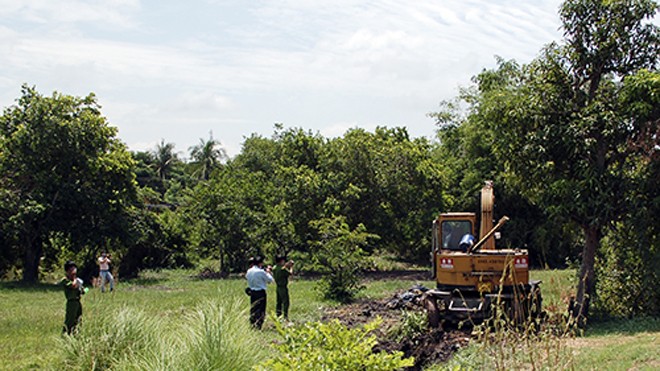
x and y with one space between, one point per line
332 346
339 256
412 324
206 156
63 171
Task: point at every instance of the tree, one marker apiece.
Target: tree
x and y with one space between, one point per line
564 129
145 171
229 214
164 159
207 155
339 257
628 265
64 172
388 182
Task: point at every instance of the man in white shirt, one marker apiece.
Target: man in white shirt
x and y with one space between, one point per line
258 279
104 271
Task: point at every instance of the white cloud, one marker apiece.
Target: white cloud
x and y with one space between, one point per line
165 71
113 12
206 100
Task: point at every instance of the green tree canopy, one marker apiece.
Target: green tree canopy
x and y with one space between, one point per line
63 171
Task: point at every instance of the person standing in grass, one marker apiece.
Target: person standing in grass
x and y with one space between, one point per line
281 273
258 279
73 290
104 271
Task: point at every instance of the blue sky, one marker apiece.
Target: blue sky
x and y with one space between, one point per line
176 70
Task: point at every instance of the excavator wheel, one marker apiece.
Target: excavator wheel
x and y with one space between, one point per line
432 311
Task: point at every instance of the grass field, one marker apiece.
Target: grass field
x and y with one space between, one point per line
31 316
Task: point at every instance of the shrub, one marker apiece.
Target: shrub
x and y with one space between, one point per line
412 324
332 346
628 273
339 257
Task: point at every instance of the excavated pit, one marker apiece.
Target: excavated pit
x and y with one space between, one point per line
428 346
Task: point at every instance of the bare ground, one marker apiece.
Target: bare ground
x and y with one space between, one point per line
428 347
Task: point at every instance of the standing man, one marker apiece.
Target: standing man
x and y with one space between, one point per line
281 274
258 279
104 271
73 290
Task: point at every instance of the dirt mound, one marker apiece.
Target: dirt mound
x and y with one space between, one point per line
429 346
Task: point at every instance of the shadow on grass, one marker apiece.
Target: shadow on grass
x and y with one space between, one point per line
144 281
29 287
624 326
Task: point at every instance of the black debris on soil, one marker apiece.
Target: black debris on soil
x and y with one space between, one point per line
428 347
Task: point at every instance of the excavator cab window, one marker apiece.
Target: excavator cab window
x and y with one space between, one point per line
453 231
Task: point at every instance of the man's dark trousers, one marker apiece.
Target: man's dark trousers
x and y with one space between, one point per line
282 302
257 308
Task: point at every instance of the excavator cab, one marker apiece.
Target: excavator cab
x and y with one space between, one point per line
454 231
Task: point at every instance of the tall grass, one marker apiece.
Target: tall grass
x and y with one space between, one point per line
537 345
214 335
110 339
218 336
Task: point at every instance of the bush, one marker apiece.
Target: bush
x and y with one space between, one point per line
412 324
628 273
339 257
332 346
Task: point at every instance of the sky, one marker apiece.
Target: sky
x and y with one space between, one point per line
180 70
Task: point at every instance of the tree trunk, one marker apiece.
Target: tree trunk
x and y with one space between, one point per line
586 284
222 262
31 259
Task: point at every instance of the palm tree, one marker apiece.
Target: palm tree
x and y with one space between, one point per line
207 155
165 158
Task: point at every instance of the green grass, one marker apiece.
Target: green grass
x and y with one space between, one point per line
31 316
556 287
174 303
619 345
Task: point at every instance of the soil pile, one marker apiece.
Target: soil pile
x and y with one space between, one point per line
429 346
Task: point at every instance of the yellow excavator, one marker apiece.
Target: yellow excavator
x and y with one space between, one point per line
474 278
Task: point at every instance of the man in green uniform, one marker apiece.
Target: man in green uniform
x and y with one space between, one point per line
73 289
281 274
